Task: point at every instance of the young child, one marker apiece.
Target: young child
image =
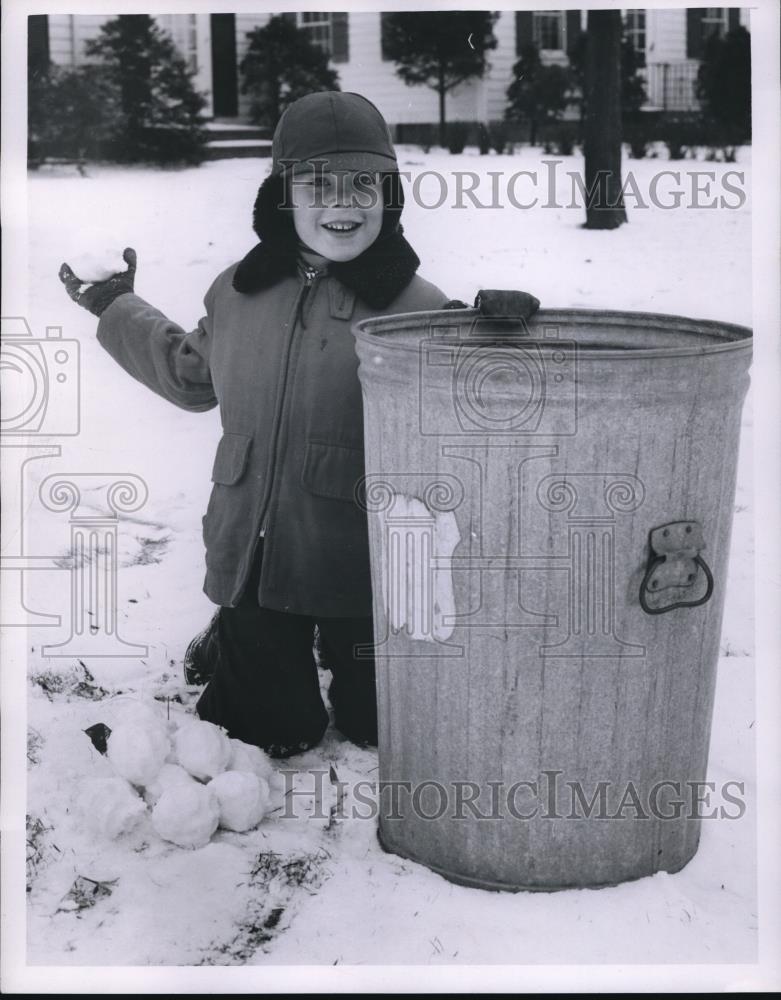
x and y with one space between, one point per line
286 541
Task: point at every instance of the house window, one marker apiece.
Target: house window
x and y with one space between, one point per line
634 30
549 30
715 21
703 23
317 26
328 31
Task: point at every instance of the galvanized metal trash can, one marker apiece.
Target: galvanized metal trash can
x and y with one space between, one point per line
550 508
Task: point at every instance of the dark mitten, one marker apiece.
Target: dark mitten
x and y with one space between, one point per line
98 296
502 302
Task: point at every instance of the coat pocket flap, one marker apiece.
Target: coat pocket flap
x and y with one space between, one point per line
332 470
231 458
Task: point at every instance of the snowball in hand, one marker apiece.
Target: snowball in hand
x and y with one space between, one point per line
202 748
97 265
137 750
170 776
110 806
187 815
243 798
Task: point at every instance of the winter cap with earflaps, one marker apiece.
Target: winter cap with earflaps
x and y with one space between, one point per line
341 131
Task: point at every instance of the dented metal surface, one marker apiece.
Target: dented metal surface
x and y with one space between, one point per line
544 686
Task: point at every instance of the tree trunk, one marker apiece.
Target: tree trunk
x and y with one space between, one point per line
441 92
602 141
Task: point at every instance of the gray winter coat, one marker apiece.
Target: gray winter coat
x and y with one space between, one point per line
281 364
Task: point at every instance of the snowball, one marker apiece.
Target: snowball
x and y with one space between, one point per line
137 750
243 798
202 749
186 815
245 757
97 264
110 806
170 776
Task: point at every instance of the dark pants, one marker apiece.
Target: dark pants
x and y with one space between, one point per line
265 688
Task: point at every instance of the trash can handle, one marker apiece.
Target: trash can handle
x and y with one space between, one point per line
506 303
674 563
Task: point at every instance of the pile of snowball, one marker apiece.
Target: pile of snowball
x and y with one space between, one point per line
193 778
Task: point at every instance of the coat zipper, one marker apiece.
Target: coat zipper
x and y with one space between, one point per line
310 275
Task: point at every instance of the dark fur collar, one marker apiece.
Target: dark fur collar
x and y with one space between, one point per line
377 277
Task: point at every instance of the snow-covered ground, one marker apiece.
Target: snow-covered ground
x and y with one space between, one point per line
318 889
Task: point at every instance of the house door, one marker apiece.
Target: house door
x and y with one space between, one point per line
225 92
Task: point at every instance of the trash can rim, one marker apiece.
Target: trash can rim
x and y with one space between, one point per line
728 337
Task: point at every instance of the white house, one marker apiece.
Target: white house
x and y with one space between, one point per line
669 43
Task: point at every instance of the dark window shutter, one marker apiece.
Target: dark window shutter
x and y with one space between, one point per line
38 43
340 41
695 43
734 18
524 30
573 27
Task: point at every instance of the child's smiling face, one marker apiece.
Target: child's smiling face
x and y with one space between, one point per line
337 214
